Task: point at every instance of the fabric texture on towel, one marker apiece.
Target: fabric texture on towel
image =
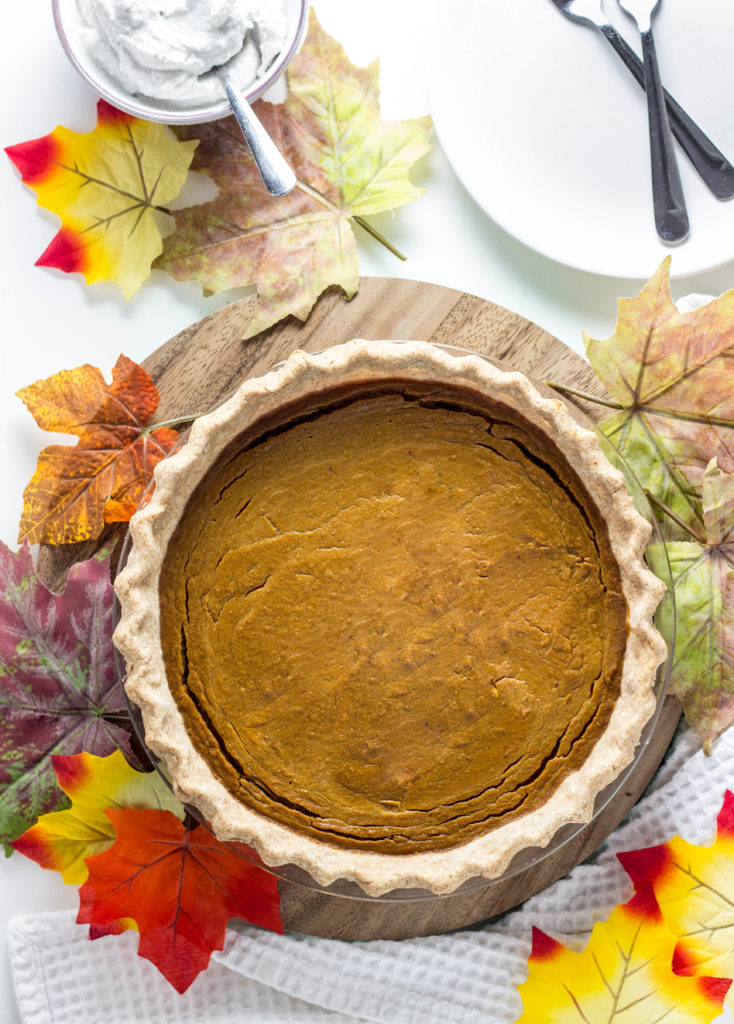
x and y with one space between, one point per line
61 977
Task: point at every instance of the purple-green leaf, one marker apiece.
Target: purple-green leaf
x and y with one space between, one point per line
59 690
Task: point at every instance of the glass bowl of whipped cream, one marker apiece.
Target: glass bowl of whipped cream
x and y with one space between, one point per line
157 59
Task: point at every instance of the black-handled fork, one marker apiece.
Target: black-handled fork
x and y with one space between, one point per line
711 164
671 216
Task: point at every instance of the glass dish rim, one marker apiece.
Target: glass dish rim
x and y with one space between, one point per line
149 110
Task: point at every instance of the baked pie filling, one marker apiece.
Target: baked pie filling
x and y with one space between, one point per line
391 617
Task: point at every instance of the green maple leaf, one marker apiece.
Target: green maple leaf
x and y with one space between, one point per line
349 164
670 374
703 576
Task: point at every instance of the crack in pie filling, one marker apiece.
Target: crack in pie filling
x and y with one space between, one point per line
393 624
391 619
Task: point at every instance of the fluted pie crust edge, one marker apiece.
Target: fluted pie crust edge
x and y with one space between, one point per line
138 633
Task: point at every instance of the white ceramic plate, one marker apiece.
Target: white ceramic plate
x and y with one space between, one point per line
547 129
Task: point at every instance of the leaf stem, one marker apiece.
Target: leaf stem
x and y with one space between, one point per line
651 410
689 417
668 511
120 718
315 194
565 390
146 431
380 237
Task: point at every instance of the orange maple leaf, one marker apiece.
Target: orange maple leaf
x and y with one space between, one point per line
180 885
694 886
112 463
625 974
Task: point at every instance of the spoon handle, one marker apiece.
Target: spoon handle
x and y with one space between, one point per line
715 170
671 218
276 174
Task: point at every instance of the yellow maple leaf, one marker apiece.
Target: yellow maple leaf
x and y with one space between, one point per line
694 886
61 841
624 976
105 186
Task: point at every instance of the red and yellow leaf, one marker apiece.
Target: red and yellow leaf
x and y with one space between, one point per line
348 161
61 841
694 886
624 975
112 463
105 186
180 885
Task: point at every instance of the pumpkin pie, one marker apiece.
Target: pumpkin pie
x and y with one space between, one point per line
386 617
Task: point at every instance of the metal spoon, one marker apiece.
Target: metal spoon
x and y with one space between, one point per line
671 218
275 171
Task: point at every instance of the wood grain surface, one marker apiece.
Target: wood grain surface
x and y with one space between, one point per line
200 367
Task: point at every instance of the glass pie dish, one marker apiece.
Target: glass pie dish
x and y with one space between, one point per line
532 855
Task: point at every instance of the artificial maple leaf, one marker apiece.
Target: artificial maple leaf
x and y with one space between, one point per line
348 163
694 886
59 690
670 374
180 885
105 186
623 975
703 578
61 840
113 461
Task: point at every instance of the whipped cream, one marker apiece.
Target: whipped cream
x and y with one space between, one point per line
164 49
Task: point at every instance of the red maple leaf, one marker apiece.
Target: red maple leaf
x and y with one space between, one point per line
180 885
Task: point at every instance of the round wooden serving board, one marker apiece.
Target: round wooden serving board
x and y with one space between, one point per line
203 365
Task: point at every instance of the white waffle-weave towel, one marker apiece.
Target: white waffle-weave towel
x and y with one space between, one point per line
467 977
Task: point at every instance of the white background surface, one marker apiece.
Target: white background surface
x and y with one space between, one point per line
53 321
